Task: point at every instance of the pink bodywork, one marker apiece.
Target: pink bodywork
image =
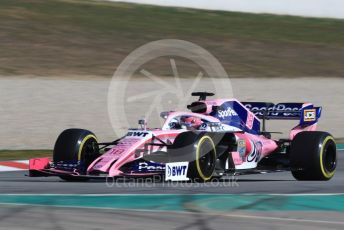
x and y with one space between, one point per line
39 163
268 145
126 150
299 129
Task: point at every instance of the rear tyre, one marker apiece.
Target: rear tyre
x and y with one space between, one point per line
199 150
313 156
76 146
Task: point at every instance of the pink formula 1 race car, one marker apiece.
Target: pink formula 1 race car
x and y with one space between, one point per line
216 138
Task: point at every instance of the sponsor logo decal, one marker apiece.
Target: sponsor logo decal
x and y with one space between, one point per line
176 171
250 120
149 167
116 151
204 126
241 148
68 165
309 115
137 134
260 110
229 112
256 152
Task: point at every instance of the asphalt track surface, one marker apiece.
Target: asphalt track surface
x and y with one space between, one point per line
47 216
31 217
270 183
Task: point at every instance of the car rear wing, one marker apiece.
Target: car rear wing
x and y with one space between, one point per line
305 112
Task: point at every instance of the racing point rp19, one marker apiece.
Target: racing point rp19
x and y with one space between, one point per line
215 138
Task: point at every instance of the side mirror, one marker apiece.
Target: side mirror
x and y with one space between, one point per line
165 114
143 124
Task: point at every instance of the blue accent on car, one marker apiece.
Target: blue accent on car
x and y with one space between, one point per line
70 166
146 166
288 110
310 115
307 115
235 114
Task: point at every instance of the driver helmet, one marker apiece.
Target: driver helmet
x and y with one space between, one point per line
193 122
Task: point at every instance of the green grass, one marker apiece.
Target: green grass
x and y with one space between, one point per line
56 37
23 154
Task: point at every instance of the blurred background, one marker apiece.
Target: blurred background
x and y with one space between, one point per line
57 58
57 62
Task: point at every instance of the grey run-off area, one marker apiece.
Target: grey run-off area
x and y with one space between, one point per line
47 217
33 217
34 110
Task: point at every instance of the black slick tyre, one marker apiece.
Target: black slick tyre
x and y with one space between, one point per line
199 150
76 145
313 156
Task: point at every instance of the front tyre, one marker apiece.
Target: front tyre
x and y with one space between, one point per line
199 150
313 156
203 167
76 146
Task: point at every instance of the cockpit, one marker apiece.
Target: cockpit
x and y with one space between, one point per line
186 122
212 115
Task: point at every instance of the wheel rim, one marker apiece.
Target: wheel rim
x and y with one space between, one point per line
89 152
329 157
207 159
